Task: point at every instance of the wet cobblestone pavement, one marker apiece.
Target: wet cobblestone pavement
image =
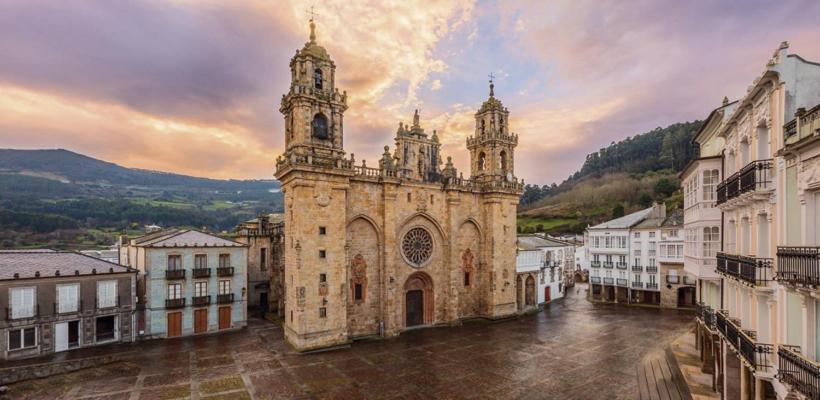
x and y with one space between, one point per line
571 350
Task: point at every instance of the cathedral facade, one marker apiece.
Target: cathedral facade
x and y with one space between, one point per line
408 242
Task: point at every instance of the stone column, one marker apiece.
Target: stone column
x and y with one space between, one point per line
759 395
744 383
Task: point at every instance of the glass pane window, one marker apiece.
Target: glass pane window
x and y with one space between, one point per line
200 261
22 338
106 294
175 262
200 289
224 260
224 287
23 302
68 298
174 291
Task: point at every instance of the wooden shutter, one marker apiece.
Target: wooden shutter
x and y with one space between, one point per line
22 302
67 296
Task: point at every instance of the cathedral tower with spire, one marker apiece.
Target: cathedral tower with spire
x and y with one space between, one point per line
374 249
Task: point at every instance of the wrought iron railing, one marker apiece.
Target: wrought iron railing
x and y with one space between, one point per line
608 264
637 285
754 271
609 281
637 268
744 342
198 301
706 315
595 264
175 303
201 272
621 282
621 265
652 269
754 176
799 265
652 285
797 371
174 274
224 298
595 279
224 271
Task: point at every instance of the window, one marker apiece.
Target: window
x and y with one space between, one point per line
106 328
174 291
224 261
22 338
200 289
200 261
357 292
225 286
175 262
482 161
466 279
652 278
651 262
320 130
106 294
68 298
322 312
636 235
317 78
322 254
22 302
651 234
409 197
637 277
322 278
322 230
710 181
711 241
263 259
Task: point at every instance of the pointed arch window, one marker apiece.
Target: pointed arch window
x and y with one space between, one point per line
317 78
320 128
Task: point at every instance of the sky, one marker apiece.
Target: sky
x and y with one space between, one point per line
194 87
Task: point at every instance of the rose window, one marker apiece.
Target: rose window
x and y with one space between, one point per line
417 246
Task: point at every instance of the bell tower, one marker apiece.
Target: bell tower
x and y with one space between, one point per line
313 107
492 146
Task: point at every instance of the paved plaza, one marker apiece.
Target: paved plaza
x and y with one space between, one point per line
571 350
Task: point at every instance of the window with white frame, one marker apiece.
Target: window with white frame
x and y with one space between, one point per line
68 298
652 278
174 291
200 289
200 261
651 262
174 262
651 234
637 278
22 338
711 241
710 181
23 301
106 294
225 286
636 235
224 260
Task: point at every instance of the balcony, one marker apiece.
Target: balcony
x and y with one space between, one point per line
706 316
224 271
753 177
749 270
174 274
637 285
652 286
199 301
609 281
756 355
175 303
801 129
621 282
201 272
621 265
609 264
637 268
799 265
797 371
595 264
224 298
652 269
673 279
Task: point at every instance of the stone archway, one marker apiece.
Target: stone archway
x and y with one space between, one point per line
418 300
529 292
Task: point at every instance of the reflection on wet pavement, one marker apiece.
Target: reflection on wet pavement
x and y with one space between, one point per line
571 350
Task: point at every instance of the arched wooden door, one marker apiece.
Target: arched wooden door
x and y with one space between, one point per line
530 291
418 300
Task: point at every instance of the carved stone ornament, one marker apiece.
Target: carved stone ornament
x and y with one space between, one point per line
322 195
417 246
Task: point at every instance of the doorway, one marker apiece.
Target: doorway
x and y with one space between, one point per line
66 335
201 320
547 294
106 328
530 291
174 324
415 307
263 302
224 317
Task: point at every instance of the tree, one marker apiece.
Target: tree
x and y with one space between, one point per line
645 200
665 187
618 211
539 228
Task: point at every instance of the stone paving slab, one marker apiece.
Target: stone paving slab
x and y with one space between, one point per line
572 350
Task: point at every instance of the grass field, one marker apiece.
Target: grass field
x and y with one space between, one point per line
549 224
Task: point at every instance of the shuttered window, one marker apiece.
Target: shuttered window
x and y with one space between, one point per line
106 294
23 302
68 298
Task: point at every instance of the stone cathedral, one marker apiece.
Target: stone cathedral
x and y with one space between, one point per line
406 242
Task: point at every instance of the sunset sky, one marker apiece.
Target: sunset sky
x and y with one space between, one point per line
194 86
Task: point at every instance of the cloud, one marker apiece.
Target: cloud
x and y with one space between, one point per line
436 85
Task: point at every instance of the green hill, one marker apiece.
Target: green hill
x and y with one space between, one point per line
620 178
60 199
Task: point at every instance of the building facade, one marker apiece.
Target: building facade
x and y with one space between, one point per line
402 243
550 277
190 282
59 301
760 341
265 238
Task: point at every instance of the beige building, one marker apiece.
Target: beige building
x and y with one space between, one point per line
404 243
760 335
265 239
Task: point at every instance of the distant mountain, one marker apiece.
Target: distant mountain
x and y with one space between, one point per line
62 199
68 166
621 177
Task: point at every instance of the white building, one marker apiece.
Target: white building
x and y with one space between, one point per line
539 267
761 336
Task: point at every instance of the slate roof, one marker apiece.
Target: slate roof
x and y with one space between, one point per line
627 221
26 264
183 238
532 242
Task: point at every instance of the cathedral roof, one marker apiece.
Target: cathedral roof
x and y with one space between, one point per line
492 103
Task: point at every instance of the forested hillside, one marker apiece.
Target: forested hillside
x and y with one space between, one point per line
60 199
620 178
